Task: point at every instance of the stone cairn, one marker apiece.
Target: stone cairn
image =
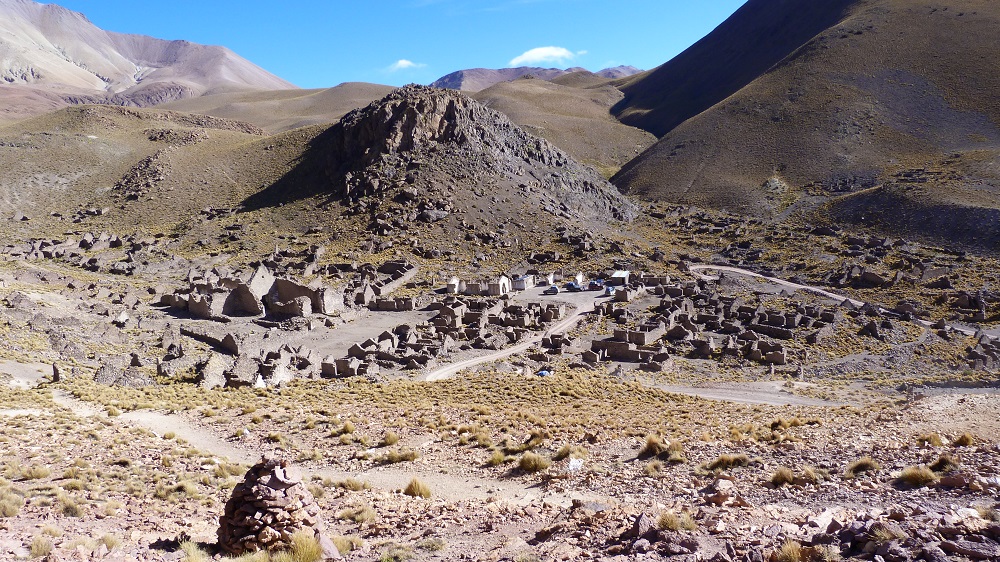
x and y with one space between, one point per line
267 508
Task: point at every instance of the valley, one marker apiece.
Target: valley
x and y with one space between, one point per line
729 311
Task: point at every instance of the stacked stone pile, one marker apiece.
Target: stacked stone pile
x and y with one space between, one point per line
267 508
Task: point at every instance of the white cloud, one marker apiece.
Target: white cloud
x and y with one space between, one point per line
403 64
538 55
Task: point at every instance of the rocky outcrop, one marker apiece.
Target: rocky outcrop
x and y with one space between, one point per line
419 136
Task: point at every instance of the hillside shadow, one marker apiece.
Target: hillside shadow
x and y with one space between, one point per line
308 178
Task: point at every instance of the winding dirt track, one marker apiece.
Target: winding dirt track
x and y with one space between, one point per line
448 371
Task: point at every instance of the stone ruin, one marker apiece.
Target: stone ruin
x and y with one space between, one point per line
213 296
270 506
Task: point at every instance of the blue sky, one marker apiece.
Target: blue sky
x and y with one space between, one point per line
321 43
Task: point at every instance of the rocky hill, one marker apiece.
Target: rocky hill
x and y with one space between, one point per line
857 109
429 155
476 79
47 51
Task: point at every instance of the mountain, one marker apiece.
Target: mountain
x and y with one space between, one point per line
860 107
49 53
476 79
759 35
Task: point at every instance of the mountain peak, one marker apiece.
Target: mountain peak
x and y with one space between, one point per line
51 47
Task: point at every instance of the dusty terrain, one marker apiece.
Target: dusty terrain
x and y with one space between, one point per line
412 324
637 463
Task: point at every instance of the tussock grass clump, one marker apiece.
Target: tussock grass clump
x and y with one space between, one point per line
36 472
193 552
397 456
570 451
964 440
110 541
815 475
988 513
672 521
791 551
653 468
359 514
304 548
782 423
882 533
346 544
41 546
10 503
396 553
675 453
864 464
390 439
435 544
725 462
496 458
353 485
929 440
69 507
654 446
533 462
225 470
917 476
782 476
417 489
944 463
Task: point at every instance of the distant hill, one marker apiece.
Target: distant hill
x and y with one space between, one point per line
839 110
49 53
281 110
476 79
576 119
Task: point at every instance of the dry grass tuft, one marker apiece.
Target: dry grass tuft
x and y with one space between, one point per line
41 546
402 455
864 464
790 551
570 451
654 446
417 489
782 476
930 440
353 485
944 463
346 544
193 552
359 514
964 440
917 476
533 462
305 548
670 520
725 462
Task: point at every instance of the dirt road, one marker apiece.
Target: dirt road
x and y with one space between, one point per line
584 303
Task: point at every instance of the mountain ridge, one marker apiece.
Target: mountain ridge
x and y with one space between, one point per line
49 51
477 79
